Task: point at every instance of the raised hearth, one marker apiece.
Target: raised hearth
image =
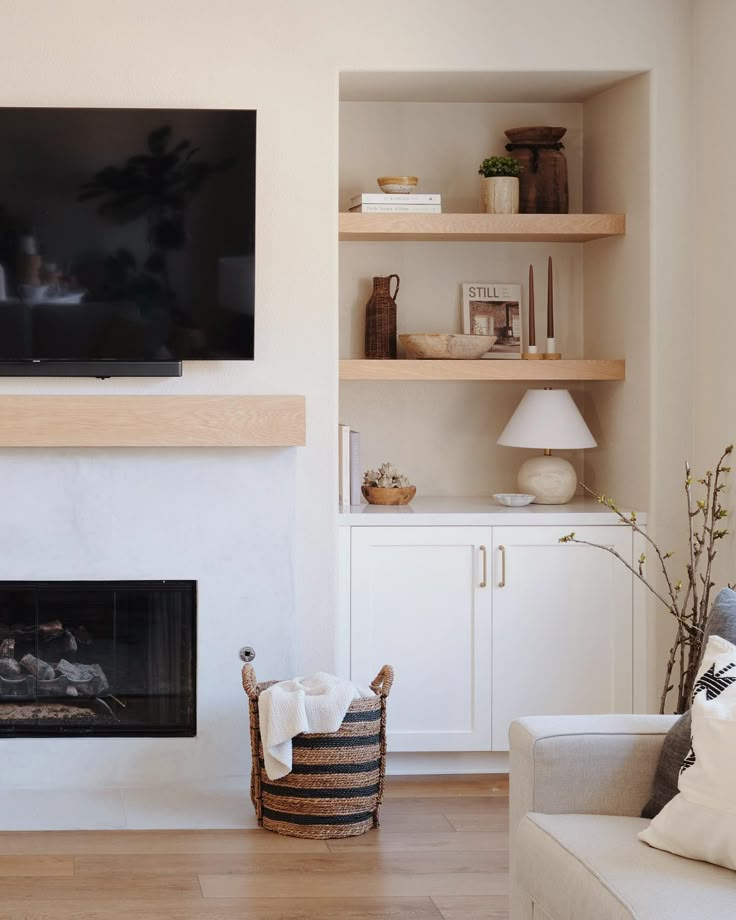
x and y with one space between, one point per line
98 658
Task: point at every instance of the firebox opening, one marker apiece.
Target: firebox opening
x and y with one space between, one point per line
100 658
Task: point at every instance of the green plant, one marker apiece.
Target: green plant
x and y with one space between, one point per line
687 599
500 166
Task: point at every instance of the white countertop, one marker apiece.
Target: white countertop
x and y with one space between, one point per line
480 510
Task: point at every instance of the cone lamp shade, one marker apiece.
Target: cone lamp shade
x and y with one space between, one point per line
548 420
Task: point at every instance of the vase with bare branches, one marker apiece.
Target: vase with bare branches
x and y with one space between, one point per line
688 598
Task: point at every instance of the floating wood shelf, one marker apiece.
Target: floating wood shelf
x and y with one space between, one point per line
523 228
152 421
509 370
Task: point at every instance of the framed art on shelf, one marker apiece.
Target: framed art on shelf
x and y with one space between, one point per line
494 308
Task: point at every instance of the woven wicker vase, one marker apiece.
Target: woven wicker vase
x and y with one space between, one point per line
336 782
380 319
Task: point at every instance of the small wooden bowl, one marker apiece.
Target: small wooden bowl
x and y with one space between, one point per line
375 495
397 185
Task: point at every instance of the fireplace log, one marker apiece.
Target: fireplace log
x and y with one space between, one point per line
82 635
89 679
7 648
10 668
40 669
58 647
51 630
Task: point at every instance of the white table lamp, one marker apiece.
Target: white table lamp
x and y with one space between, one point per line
547 419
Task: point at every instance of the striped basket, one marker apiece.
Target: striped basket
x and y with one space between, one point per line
336 783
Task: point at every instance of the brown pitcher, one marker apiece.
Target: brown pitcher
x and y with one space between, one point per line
380 319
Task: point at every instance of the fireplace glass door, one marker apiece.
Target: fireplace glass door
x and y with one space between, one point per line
98 658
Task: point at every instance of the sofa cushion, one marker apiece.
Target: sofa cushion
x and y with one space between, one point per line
579 867
676 746
700 822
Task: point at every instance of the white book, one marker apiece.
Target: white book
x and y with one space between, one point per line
397 209
381 198
343 434
356 476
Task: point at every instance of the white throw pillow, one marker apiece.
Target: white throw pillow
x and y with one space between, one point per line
700 822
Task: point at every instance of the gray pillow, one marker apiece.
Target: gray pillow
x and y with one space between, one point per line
676 744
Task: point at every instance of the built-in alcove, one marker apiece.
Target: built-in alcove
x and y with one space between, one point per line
439 126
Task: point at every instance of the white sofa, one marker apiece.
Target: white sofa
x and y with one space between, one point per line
578 784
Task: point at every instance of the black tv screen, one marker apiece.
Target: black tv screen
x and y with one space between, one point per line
126 235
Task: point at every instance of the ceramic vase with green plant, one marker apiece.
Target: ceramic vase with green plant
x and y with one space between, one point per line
500 185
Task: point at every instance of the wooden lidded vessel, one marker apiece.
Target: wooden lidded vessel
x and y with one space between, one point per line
543 180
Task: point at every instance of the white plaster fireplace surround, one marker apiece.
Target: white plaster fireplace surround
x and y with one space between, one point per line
222 517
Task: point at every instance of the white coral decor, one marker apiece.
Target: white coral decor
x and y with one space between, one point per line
385 477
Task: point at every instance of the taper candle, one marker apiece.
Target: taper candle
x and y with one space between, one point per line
532 329
551 344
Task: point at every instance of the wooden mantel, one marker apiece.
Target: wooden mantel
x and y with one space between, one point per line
152 421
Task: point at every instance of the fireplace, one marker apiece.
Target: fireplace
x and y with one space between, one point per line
103 658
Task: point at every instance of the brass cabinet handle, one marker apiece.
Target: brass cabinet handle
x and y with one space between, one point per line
502 583
484 580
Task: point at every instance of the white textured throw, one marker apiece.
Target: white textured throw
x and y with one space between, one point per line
317 703
700 822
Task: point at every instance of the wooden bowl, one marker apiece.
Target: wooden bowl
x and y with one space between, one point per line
442 345
397 185
375 495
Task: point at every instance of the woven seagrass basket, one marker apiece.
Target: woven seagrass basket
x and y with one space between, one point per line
336 783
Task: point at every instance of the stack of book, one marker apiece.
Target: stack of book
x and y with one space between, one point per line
350 475
381 203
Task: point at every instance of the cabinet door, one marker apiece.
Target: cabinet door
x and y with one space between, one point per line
562 624
417 604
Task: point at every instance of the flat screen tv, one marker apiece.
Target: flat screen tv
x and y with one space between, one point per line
127 239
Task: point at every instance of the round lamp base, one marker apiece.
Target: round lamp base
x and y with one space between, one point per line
551 480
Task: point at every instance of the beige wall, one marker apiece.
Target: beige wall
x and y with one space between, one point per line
714 311
283 57
617 305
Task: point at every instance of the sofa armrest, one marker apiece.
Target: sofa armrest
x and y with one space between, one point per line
584 764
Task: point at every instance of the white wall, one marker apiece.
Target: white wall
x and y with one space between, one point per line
210 515
283 58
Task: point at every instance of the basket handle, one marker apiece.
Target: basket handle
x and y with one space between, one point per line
250 684
381 686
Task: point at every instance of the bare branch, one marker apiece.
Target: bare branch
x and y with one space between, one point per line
609 549
631 522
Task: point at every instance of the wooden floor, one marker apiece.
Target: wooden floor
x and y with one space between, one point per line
441 852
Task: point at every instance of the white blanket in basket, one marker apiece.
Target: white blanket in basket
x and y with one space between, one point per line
317 703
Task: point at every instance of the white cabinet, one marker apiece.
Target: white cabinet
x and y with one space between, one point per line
418 602
552 632
562 625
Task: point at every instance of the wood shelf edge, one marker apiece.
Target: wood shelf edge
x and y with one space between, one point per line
572 369
152 421
480 227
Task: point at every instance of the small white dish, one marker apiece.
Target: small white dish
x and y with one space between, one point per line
514 499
